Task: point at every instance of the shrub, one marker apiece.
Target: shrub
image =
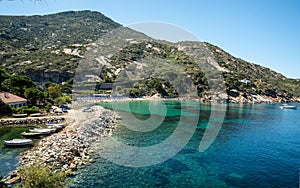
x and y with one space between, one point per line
36 176
25 110
63 100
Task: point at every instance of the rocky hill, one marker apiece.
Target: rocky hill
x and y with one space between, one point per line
48 48
55 47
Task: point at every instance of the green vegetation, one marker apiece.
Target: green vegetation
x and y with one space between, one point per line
26 110
47 49
37 176
263 80
63 100
32 45
38 99
5 109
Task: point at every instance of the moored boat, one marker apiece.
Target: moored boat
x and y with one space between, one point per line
18 142
32 134
286 106
19 115
42 131
35 115
56 125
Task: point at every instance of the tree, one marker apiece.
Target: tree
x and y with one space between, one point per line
3 76
20 83
63 100
34 95
54 91
5 109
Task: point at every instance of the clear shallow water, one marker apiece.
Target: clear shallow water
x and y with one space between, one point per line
9 156
257 146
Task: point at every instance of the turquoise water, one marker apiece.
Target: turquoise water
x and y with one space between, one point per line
9 157
257 146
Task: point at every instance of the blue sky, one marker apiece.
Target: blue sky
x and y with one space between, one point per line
266 32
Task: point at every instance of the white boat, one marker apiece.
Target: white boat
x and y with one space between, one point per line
19 115
42 130
286 106
18 142
55 125
32 135
35 115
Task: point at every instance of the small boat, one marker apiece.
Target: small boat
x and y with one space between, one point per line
56 125
18 142
32 135
286 106
35 115
42 131
19 115
88 109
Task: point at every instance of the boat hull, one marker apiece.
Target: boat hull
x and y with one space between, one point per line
18 142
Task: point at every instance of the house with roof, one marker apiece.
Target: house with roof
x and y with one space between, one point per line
13 100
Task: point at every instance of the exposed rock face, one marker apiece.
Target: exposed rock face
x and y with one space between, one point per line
41 76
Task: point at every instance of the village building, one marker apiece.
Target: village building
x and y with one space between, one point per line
13 100
245 81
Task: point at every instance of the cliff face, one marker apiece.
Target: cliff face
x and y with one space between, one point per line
41 76
50 48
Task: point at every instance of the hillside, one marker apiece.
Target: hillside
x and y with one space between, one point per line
55 47
48 48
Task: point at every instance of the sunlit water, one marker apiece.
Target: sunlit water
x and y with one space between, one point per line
9 157
257 146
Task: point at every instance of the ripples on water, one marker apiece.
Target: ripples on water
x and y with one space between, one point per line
258 146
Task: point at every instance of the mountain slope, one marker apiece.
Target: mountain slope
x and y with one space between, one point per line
50 48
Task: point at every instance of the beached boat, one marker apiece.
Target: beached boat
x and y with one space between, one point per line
18 142
19 115
286 106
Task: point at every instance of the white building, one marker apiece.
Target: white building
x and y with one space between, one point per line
245 81
13 100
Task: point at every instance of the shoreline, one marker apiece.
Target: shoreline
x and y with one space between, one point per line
11 122
70 148
262 100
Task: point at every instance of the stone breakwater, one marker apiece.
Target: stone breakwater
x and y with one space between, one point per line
30 121
71 147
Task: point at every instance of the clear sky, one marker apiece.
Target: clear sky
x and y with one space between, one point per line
266 32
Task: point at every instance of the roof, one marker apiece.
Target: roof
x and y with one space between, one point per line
11 98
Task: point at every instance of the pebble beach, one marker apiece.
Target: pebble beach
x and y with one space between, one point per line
70 148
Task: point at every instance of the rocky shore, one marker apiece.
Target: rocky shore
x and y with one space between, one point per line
30 121
71 147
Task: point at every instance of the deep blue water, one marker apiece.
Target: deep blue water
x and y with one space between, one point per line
257 146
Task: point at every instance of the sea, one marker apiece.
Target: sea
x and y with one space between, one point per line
190 144
9 157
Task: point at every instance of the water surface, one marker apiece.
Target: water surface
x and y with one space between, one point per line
257 146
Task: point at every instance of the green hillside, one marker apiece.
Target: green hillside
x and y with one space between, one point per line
56 47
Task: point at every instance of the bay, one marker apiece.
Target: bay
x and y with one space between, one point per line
257 146
9 156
